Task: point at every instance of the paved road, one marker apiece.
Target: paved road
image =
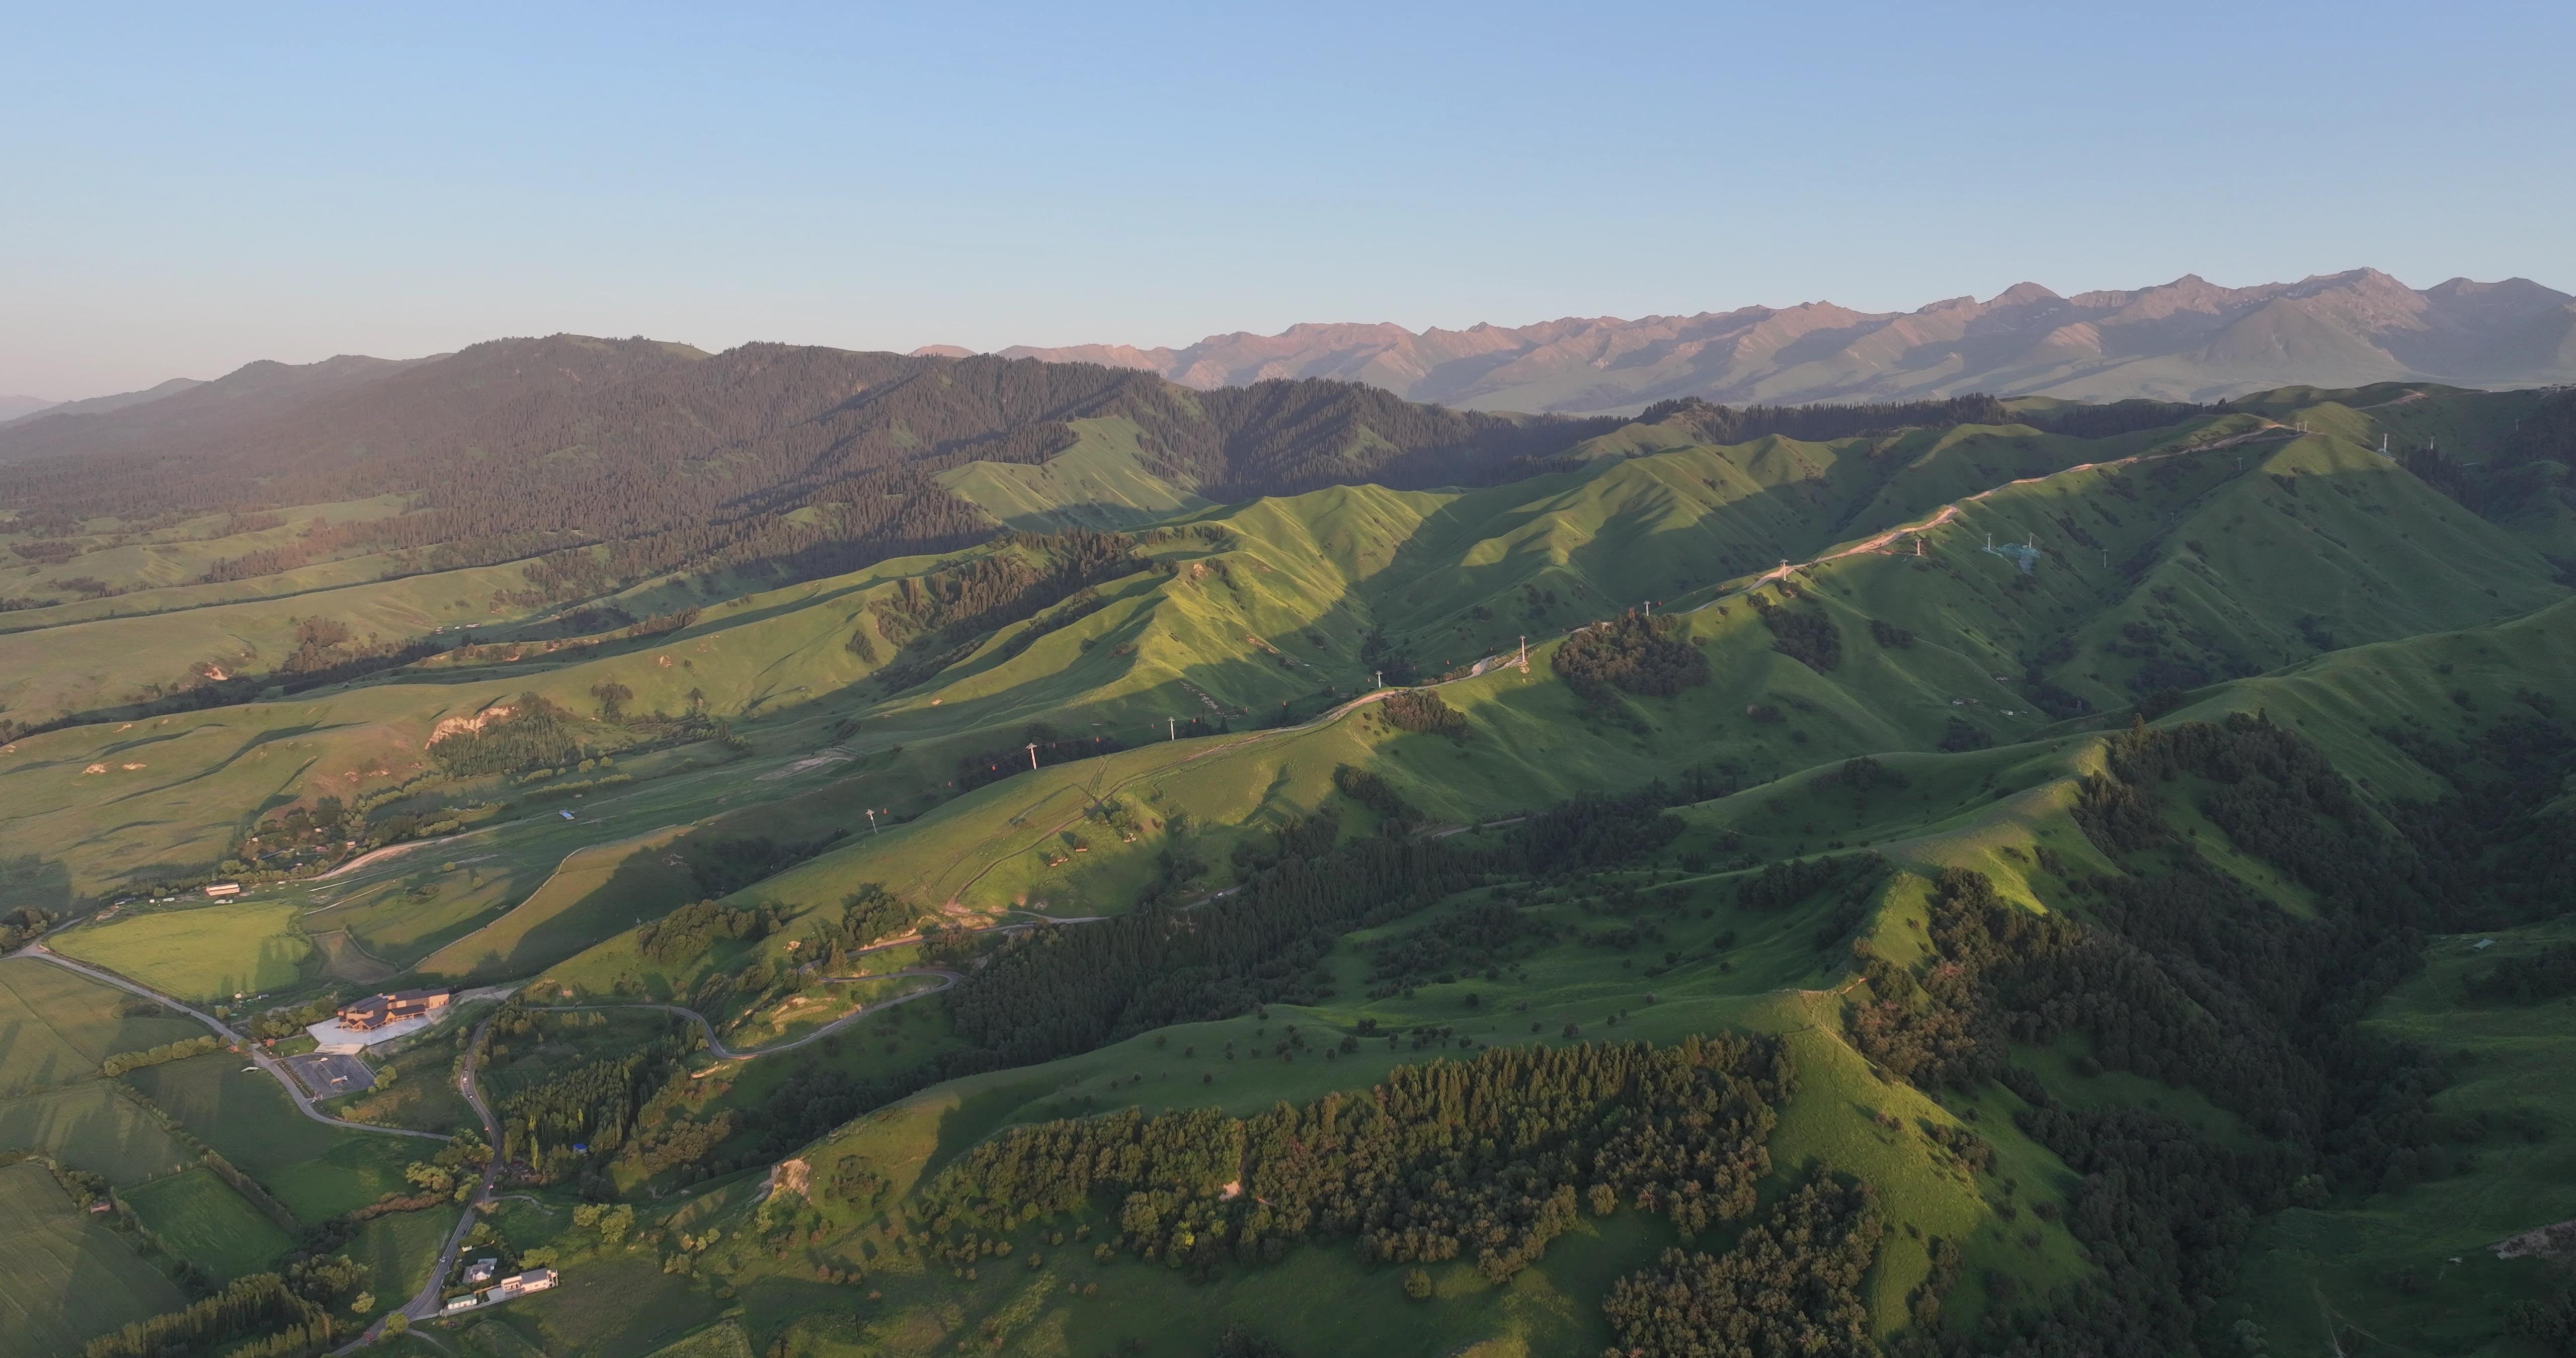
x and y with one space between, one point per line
266 1062
426 1303
725 1053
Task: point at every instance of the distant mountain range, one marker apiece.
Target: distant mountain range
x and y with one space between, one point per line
2189 339
25 407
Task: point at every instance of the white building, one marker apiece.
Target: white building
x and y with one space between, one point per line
520 1284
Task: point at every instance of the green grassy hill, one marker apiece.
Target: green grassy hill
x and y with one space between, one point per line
2084 887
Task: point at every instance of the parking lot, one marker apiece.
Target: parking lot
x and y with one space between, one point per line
330 1075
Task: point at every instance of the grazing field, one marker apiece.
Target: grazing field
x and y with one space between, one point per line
399 1249
63 1278
318 1171
594 893
200 953
204 1221
623 1304
56 1026
724 1339
97 1127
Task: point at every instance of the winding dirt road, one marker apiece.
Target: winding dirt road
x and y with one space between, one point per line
725 1053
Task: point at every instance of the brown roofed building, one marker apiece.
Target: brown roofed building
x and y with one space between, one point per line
376 1011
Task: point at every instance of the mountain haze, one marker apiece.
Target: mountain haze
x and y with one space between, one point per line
2189 339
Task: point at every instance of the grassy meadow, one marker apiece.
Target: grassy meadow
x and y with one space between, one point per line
200 1218
64 1277
318 1171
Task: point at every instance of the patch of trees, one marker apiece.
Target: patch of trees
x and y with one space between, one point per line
992 766
728 865
1789 1286
1811 639
1489 1158
2114 418
546 1108
288 1020
689 931
1395 814
1790 880
937 616
1421 710
1393 666
1081 604
2545 975
154 1056
1713 423
1467 940
2500 844
1962 735
22 926
1053 991
538 733
867 915
1890 635
260 1316
1639 654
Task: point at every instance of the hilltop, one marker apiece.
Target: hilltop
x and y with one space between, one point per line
2187 340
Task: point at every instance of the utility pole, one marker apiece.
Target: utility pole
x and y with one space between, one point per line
1033 754
1524 654
1380 676
872 820
1171 728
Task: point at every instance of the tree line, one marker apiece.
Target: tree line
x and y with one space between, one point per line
1488 1158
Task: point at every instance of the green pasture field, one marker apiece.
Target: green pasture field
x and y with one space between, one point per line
622 1304
95 1126
204 1221
399 1249
317 1170
65 1279
59 1025
202 953
492 1337
723 1339
109 662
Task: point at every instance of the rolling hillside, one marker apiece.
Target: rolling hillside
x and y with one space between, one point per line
1953 854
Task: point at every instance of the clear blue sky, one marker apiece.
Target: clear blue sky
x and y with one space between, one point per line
189 187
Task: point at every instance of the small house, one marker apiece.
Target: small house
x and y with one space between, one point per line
480 1271
220 890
